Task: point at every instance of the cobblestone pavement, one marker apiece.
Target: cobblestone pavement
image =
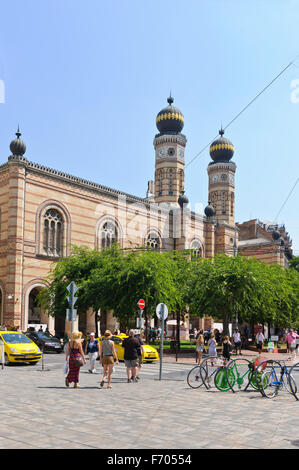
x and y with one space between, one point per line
38 411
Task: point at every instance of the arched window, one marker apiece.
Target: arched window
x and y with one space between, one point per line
108 234
196 249
53 233
153 241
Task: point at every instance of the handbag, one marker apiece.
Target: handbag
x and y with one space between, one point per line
78 361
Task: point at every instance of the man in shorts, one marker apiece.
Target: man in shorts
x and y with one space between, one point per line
131 346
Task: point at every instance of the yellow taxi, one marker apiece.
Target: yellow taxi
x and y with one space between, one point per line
150 354
19 348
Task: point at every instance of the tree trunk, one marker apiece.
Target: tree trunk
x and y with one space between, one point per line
226 324
96 317
178 321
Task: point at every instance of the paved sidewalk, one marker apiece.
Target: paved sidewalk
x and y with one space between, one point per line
38 411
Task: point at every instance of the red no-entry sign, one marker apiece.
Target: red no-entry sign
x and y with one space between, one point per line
141 304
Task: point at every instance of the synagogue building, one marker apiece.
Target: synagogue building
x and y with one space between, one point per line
43 212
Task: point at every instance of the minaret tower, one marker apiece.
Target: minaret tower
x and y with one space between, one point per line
170 154
221 173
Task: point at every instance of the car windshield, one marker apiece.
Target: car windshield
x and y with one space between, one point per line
14 338
44 335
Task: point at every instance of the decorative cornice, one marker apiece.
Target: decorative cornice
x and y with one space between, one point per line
170 138
222 165
65 177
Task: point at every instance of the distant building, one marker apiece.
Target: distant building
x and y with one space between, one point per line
265 241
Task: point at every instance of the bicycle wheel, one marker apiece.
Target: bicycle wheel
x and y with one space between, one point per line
194 379
252 379
238 373
289 383
208 369
269 383
294 381
258 374
221 379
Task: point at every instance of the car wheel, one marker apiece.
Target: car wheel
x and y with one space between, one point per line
6 360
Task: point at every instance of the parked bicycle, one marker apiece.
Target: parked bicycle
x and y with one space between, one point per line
241 374
213 372
274 378
294 373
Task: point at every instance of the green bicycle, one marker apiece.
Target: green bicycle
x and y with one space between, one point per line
213 372
241 374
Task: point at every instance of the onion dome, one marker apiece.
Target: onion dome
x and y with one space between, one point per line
17 146
170 120
221 150
275 235
209 210
183 199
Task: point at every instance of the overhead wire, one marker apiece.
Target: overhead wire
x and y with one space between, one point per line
244 109
288 197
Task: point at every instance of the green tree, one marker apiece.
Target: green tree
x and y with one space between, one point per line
294 263
257 292
113 279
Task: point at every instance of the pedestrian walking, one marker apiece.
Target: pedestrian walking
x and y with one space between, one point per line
199 346
259 338
291 340
212 345
93 349
237 341
76 358
131 346
107 355
140 354
226 349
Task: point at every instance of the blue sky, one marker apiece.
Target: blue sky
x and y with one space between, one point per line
86 79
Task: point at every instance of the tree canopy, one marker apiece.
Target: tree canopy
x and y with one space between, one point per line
220 287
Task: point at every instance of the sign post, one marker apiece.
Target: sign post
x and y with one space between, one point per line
162 314
71 313
2 353
140 320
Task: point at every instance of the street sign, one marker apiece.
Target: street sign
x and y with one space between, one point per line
140 322
71 314
274 338
141 304
162 311
72 288
162 314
